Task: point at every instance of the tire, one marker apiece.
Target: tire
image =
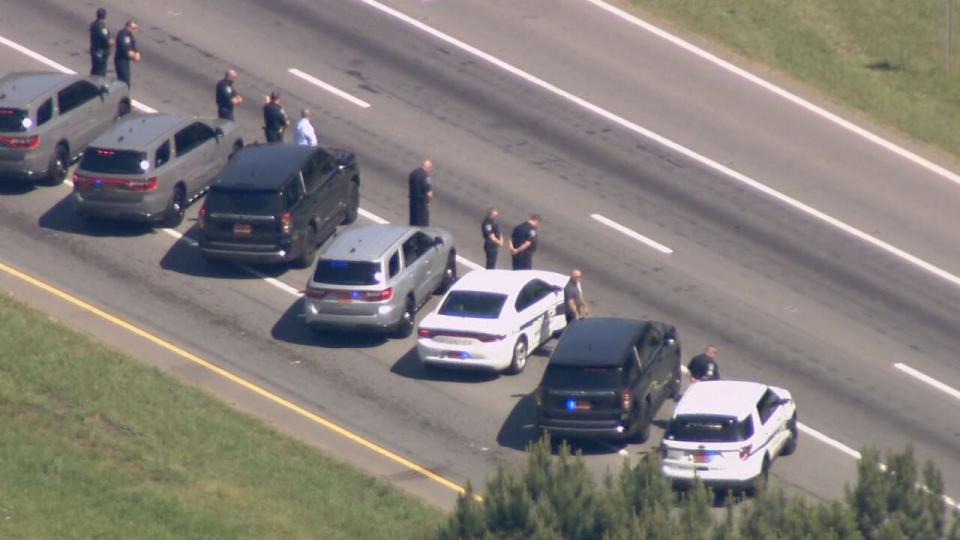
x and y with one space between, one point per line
123 108
791 445
640 431
309 253
449 273
407 320
59 163
237 146
353 204
519 360
176 208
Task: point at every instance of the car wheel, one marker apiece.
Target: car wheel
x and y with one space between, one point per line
309 253
791 444
59 163
123 108
640 430
449 273
519 360
237 146
176 208
407 320
353 204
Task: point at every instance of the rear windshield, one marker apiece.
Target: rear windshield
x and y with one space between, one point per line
12 119
103 160
347 272
586 378
703 428
480 305
228 201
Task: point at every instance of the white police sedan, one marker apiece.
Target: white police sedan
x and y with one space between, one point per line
727 434
492 319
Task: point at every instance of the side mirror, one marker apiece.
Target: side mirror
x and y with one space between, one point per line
344 161
437 240
218 133
104 90
556 289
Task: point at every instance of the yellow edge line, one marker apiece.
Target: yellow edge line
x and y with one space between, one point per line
234 378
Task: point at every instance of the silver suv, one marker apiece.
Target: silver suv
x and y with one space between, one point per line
150 167
47 120
376 277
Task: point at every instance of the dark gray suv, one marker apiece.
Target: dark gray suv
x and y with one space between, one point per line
48 119
150 167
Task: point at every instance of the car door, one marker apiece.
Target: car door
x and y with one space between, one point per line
771 414
333 199
193 145
78 108
532 307
416 266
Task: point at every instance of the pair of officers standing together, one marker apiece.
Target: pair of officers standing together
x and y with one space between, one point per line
101 43
275 118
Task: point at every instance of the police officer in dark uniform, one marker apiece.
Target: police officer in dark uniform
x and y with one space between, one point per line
275 119
492 239
100 44
227 97
421 193
703 367
126 51
523 243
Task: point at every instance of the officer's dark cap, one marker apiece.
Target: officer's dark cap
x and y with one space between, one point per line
101 13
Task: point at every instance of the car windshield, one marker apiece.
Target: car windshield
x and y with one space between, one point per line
230 201
12 119
583 378
707 428
104 160
473 304
347 272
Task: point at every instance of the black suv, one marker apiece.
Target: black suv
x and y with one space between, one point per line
607 378
278 202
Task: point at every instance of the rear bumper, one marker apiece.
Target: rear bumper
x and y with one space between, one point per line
152 208
489 357
253 254
686 476
385 318
25 166
586 429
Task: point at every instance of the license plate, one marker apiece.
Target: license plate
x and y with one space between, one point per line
242 229
454 341
702 458
577 405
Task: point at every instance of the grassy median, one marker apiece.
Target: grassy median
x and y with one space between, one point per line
95 445
886 58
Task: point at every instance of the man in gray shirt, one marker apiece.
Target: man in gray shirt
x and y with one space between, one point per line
573 299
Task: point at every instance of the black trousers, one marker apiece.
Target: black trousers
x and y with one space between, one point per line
523 261
123 70
225 113
419 213
491 250
98 62
273 136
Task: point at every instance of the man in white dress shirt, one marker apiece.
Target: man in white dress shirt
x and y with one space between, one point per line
305 135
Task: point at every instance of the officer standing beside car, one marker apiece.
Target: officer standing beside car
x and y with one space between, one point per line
523 243
126 51
275 119
573 299
227 97
421 193
492 239
703 367
100 44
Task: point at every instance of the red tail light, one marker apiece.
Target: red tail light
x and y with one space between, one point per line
81 181
425 332
348 296
31 142
317 294
286 223
202 218
626 399
378 296
483 338
745 451
539 394
143 186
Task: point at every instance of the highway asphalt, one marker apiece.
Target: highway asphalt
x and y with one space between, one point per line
790 299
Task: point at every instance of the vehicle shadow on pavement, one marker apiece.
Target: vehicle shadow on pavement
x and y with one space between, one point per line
63 217
519 431
291 328
410 366
16 187
184 257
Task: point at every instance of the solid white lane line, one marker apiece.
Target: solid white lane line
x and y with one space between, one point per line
632 234
785 94
329 88
676 147
920 376
828 441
